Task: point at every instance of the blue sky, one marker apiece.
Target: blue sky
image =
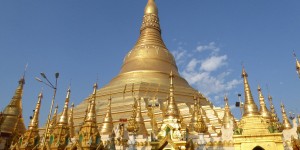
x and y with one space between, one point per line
84 40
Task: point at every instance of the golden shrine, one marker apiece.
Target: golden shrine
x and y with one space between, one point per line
148 105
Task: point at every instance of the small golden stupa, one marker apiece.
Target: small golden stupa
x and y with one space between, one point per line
255 126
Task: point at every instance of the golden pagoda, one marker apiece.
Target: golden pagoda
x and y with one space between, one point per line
31 137
254 130
263 108
285 120
61 132
140 120
228 119
53 122
89 137
275 120
71 122
107 125
12 124
184 118
145 72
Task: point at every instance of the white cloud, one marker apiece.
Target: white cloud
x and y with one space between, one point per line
179 54
211 46
209 74
214 62
192 65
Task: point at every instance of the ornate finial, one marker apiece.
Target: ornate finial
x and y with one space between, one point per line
109 101
68 94
35 119
53 121
151 17
250 107
132 124
71 122
140 120
194 117
244 73
226 100
263 108
91 116
107 125
95 88
151 8
171 77
55 113
228 119
22 79
200 125
172 109
63 119
286 123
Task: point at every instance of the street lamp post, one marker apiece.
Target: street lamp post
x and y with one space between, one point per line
54 87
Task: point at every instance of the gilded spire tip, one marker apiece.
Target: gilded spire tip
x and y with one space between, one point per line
250 106
258 88
95 88
244 73
68 93
151 8
40 94
226 100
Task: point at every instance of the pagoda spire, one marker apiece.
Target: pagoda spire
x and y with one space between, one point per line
194 117
71 122
31 137
132 125
200 125
63 119
107 125
89 136
250 107
61 130
172 111
12 113
150 32
265 113
151 8
151 47
34 123
53 121
228 118
285 121
272 108
91 115
171 116
140 120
